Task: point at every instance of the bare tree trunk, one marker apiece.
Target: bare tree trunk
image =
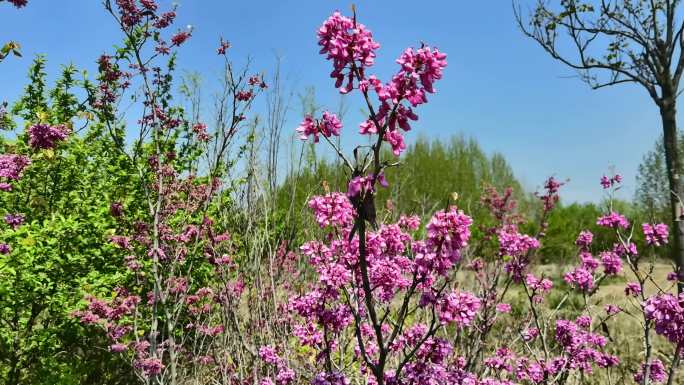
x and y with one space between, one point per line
668 111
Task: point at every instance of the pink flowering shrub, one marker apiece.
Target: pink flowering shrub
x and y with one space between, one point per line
395 302
174 316
370 297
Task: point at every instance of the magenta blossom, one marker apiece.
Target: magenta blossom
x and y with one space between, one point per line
611 263
580 278
328 125
657 372
14 220
632 289
613 220
348 44
584 239
459 307
656 234
12 165
667 312
332 209
44 136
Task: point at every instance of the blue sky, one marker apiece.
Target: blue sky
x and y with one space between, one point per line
499 87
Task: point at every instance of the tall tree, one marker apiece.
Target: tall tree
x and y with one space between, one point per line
623 41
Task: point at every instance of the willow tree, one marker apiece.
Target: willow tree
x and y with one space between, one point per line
616 42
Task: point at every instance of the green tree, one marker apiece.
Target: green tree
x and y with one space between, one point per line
62 247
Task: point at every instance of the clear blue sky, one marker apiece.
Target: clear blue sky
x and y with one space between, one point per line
499 88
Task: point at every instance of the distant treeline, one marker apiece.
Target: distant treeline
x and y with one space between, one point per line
431 171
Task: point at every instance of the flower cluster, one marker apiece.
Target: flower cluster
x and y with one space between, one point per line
448 232
514 244
551 196
333 209
351 48
584 239
608 182
611 263
328 125
582 347
657 372
362 184
14 220
131 13
580 278
667 313
349 45
45 136
284 375
655 234
613 220
459 308
11 168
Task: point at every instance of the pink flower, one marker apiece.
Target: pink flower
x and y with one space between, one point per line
656 234
448 232
612 309
514 244
667 312
613 220
611 263
307 128
149 4
588 261
149 366
328 125
284 376
672 276
580 278
459 307
43 136
14 220
345 42
607 182
333 209
503 308
538 285
165 20
396 140
118 348
530 334
657 372
268 354
632 289
425 64
244 96
584 239
12 166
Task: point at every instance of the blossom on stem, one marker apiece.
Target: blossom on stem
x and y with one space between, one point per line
613 220
44 136
656 234
459 308
347 43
